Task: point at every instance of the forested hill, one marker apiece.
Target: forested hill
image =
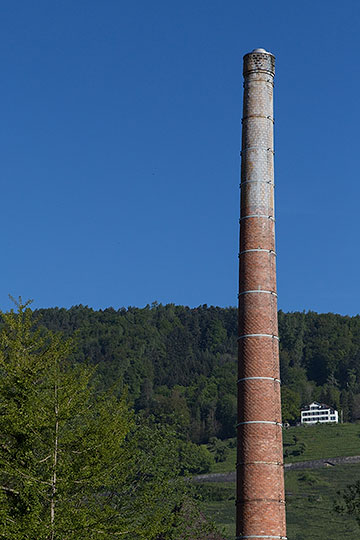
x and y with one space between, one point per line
180 363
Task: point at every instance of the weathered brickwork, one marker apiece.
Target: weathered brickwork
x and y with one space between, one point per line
260 483
257 233
252 353
258 313
257 271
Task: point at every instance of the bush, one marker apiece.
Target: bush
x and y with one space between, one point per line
194 459
219 449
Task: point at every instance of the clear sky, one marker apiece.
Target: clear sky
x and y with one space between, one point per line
120 138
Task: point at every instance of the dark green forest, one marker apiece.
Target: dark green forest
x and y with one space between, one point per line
179 364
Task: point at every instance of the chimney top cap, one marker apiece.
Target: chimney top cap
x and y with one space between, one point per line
261 51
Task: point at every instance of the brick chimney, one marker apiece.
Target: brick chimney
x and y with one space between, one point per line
260 504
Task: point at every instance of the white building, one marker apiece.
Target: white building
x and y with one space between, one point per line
318 412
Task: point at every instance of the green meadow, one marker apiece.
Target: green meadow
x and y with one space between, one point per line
304 443
310 498
310 493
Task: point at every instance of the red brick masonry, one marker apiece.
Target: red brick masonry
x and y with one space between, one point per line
260 484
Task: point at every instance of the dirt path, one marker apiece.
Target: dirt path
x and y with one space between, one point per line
314 464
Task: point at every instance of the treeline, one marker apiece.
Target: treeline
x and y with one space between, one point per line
320 359
179 364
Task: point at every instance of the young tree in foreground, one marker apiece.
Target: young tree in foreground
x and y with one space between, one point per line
73 462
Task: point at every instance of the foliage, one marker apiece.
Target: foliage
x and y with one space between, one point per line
290 404
220 449
194 459
218 500
74 461
180 364
191 524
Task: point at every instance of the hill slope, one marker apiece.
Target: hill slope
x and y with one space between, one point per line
180 363
310 494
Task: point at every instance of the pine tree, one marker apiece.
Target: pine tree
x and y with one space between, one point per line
73 461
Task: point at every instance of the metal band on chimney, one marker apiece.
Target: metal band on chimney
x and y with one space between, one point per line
256 148
257 249
256 216
261 536
259 422
274 463
257 116
257 291
259 378
258 335
268 182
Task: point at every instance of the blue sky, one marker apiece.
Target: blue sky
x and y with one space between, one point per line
120 138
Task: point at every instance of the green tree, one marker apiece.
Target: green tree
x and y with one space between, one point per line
73 461
227 414
194 458
290 404
330 395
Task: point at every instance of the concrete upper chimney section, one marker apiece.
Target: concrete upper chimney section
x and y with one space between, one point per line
260 484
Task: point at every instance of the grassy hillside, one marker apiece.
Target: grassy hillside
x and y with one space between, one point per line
310 494
321 441
305 443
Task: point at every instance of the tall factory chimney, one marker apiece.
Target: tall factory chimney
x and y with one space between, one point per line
260 504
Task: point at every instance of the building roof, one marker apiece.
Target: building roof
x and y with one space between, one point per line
321 406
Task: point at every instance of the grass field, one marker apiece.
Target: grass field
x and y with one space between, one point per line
310 494
310 497
321 441
305 443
